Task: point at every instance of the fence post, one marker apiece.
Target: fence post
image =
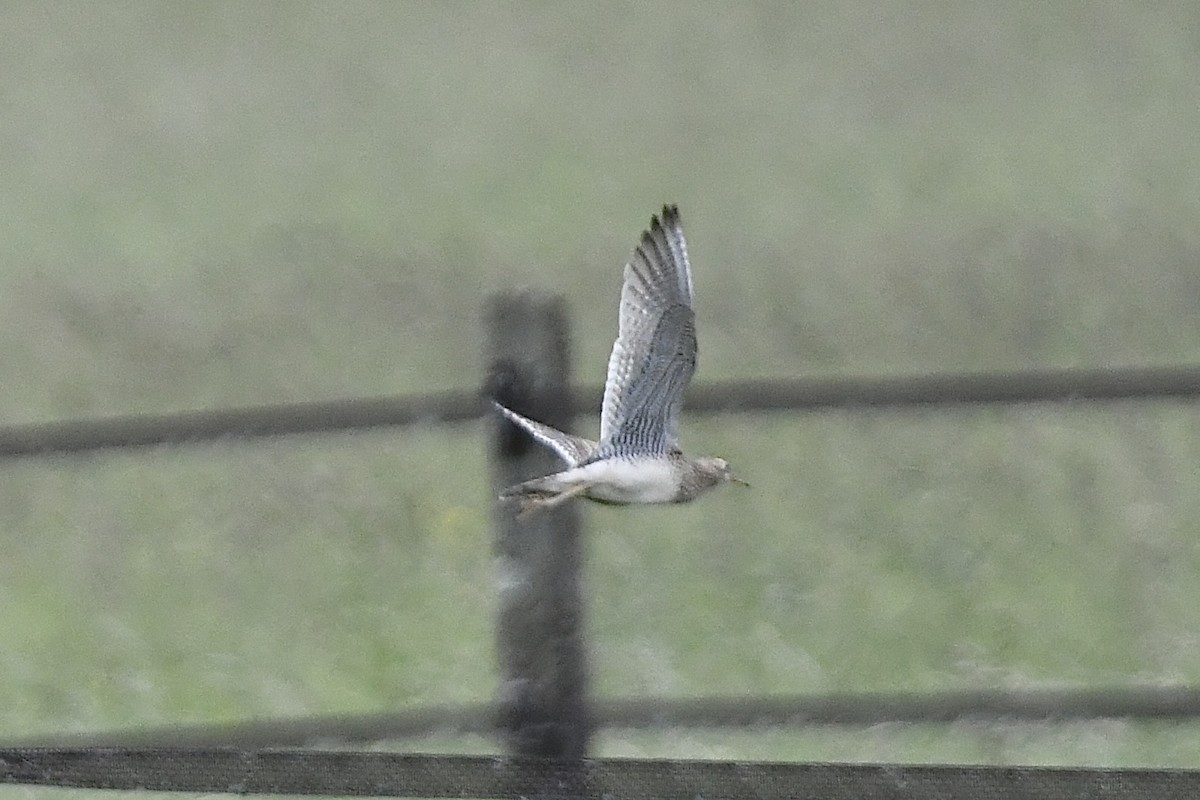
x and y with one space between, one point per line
543 671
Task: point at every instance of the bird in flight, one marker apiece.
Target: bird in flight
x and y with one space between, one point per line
638 459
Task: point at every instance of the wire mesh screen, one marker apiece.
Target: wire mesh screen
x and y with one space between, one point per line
378 774
945 291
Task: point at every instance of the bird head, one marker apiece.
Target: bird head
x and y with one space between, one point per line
715 471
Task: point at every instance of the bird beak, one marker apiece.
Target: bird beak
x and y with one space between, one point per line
738 481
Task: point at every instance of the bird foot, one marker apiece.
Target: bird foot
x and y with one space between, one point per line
529 504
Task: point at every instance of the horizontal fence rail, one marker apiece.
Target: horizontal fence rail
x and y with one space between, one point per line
865 709
298 772
712 398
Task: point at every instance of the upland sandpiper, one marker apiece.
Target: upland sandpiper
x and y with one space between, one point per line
637 459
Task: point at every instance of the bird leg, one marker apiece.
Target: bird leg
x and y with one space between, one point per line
535 502
566 495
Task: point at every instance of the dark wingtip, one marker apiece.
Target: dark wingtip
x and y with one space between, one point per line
670 217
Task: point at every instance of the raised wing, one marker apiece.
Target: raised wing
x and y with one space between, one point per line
573 450
654 356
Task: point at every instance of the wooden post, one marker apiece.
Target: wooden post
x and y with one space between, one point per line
543 671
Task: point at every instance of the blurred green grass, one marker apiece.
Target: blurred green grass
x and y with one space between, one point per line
215 204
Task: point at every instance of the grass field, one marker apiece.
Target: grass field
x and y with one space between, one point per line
231 203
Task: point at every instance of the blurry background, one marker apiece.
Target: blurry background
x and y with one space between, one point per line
210 204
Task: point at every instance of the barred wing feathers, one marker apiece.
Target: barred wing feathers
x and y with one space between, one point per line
654 355
573 450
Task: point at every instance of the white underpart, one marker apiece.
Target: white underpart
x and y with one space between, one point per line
619 480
